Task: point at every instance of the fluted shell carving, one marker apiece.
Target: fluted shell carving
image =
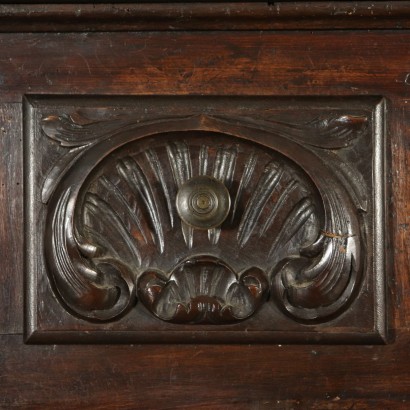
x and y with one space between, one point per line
113 231
203 291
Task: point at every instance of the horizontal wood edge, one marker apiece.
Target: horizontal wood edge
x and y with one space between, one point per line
277 15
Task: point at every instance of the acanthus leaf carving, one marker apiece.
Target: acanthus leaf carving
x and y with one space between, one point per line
75 133
95 288
79 134
275 232
327 132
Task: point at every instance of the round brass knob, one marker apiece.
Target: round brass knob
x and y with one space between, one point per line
203 202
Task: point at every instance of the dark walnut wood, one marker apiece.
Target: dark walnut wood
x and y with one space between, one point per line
203 15
204 51
295 248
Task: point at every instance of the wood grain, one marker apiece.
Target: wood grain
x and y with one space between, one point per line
240 63
204 15
191 377
253 63
11 219
400 212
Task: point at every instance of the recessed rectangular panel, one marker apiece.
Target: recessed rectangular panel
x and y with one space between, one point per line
205 219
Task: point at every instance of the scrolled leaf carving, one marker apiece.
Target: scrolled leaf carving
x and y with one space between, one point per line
327 132
292 236
97 288
78 133
75 133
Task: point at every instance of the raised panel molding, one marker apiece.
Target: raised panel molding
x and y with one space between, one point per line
205 219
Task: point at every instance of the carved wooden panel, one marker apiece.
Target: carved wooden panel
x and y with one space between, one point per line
206 219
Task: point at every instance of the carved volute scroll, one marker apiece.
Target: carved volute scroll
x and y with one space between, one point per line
204 219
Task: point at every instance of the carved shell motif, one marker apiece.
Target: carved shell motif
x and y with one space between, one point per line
114 233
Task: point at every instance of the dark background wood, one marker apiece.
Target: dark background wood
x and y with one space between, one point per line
202 376
202 15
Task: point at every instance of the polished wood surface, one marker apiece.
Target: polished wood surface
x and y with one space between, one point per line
205 377
204 15
318 63
178 63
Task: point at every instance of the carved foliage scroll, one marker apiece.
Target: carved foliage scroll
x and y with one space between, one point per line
293 244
